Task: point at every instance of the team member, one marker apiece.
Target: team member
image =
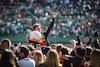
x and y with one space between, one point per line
78 60
37 27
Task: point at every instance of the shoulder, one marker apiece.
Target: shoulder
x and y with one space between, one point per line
32 60
25 59
26 62
20 60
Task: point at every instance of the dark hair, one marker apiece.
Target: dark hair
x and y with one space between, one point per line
35 25
58 48
15 44
47 49
30 47
24 50
81 51
88 51
53 45
64 50
96 34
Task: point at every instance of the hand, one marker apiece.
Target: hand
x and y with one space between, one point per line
54 14
73 42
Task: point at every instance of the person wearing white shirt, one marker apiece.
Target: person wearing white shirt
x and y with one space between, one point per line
24 60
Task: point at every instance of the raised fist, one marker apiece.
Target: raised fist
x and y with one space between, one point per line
54 14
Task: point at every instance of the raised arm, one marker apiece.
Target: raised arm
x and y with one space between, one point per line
54 14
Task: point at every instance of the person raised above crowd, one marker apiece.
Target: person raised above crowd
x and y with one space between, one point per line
37 27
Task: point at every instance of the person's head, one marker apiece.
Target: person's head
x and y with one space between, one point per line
53 46
80 52
52 59
46 50
15 44
95 58
38 57
96 34
23 52
30 47
12 48
37 27
88 51
64 51
5 43
7 59
59 46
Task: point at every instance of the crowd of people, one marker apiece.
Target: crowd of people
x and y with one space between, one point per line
55 55
75 17
72 18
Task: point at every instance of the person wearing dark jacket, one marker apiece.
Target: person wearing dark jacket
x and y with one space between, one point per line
96 41
37 27
5 49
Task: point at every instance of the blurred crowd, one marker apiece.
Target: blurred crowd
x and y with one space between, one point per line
75 17
55 55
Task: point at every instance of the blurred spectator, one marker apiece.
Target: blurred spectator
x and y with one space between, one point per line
6 45
88 53
38 57
74 16
46 50
52 60
7 59
25 61
65 63
59 47
77 60
95 58
53 46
